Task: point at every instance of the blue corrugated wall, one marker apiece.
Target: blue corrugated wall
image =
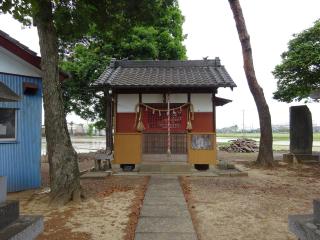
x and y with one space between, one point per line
20 160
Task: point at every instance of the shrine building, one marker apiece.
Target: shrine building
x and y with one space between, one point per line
163 110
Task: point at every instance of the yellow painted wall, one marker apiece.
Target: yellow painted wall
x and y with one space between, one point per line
200 156
127 148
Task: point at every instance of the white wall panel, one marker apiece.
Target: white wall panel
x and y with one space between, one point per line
127 102
158 98
179 98
202 102
152 98
10 63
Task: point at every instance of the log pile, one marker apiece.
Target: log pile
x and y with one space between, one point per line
243 145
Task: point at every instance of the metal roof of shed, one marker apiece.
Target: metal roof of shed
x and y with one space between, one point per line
19 49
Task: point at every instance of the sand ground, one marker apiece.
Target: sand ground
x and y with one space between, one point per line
253 207
110 210
228 208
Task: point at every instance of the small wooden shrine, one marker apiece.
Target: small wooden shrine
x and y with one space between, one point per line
163 111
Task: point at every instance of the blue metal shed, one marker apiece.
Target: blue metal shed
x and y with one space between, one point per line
20 158
20 121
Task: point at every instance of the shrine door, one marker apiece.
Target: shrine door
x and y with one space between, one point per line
155 135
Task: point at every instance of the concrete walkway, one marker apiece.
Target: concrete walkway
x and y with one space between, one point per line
164 214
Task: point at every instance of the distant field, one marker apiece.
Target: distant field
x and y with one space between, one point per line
276 136
280 140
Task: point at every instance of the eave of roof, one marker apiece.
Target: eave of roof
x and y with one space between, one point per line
221 101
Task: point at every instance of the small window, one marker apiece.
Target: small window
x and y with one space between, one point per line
7 124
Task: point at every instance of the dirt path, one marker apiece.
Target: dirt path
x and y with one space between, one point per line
254 207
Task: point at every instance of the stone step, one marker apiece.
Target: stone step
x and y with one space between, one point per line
9 212
25 227
153 158
165 168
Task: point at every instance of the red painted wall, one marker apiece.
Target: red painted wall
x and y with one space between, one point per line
125 122
202 122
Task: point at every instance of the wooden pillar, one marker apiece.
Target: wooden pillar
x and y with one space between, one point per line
114 112
108 109
214 112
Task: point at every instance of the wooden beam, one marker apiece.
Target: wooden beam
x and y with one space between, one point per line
165 90
140 97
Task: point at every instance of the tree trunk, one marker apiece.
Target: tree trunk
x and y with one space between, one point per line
63 160
265 156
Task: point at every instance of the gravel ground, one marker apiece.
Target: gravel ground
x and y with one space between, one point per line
253 207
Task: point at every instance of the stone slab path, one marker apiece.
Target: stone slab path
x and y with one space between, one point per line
164 214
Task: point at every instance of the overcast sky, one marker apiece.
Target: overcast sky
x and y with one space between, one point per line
211 32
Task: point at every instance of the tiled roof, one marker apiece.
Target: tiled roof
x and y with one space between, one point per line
315 94
166 73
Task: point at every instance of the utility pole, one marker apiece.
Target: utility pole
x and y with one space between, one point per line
242 122
71 128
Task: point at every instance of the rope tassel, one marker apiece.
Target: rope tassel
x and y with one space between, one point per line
190 117
138 120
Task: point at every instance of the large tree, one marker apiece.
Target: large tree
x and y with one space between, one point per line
299 72
63 19
63 161
155 32
265 156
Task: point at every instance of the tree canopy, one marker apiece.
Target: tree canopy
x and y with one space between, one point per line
154 32
85 31
299 72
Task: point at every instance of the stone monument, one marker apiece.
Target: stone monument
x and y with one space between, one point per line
12 225
3 189
306 227
301 135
